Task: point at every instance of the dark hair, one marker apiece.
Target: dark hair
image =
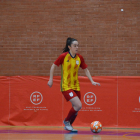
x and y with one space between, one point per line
68 43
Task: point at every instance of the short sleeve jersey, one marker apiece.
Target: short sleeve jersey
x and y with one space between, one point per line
69 70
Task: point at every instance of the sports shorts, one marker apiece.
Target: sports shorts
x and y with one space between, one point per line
69 94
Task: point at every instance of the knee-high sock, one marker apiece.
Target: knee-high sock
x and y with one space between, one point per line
71 114
73 118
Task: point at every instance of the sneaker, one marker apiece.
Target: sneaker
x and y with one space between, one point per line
67 125
73 130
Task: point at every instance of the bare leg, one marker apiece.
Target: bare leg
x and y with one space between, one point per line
76 103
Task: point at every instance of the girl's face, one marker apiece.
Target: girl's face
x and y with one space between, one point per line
74 47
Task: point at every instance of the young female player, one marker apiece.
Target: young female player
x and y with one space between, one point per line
70 62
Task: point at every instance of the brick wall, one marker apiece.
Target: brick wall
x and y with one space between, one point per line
33 34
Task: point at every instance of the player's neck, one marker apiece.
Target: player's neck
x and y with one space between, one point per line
72 54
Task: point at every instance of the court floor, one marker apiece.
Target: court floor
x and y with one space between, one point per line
58 133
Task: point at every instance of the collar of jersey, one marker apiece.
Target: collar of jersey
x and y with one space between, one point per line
71 55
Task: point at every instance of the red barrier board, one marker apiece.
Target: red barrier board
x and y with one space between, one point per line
28 100
4 100
129 101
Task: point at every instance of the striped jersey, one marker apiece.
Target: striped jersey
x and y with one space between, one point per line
69 70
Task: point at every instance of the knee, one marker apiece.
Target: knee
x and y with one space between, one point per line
78 106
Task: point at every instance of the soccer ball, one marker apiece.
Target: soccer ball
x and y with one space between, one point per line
96 127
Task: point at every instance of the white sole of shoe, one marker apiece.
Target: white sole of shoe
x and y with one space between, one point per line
73 130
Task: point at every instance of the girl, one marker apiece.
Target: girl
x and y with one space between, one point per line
70 62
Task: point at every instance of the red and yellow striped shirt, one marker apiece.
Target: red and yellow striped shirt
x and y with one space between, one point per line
69 70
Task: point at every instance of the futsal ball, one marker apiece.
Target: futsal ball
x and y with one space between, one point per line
96 127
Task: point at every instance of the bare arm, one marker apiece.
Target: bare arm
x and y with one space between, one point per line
90 78
50 82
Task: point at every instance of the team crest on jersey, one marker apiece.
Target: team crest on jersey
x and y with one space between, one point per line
77 62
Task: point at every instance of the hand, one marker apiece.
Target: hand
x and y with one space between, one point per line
50 83
95 83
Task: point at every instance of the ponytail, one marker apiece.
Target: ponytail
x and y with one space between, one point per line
68 43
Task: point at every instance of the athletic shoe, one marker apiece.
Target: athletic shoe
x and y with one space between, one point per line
73 130
67 125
